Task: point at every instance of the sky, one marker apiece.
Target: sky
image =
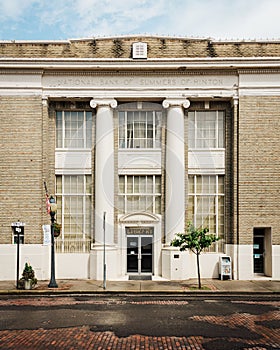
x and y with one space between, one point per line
74 19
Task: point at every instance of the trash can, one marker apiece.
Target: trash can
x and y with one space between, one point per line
225 267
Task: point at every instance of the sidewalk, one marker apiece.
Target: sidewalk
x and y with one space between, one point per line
156 286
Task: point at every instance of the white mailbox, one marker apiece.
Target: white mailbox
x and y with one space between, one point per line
225 267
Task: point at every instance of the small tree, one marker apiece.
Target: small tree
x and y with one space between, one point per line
195 239
28 274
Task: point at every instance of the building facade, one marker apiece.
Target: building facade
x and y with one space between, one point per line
135 137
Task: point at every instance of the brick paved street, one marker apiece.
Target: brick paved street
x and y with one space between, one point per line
84 338
251 325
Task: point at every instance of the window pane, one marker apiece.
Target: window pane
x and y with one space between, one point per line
212 184
129 132
191 209
121 130
136 185
80 184
73 184
88 129
191 129
158 185
149 184
191 184
149 204
158 118
142 184
220 184
198 184
59 208
158 205
129 204
129 184
88 184
221 129
58 184
121 184
66 184
142 203
59 130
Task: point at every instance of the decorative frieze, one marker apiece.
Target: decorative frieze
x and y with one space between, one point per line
113 81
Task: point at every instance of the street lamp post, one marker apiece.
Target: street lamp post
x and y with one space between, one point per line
53 209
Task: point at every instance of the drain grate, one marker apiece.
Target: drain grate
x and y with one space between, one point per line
140 277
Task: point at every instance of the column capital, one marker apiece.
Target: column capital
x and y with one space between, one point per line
45 101
103 102
235 100
176 102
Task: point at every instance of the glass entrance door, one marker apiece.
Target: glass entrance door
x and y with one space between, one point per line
140 254
258 254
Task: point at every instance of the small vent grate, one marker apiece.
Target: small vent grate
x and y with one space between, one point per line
139 50
140 277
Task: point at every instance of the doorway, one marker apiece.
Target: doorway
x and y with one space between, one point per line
258 252
262 251
140 254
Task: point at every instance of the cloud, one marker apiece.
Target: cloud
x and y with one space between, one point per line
97 18
227 18
14 9
63 19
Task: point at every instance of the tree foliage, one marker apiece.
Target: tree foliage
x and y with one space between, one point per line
195 240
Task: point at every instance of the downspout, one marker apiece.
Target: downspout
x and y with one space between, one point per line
236 107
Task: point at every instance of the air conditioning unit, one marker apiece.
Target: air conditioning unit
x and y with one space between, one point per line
139 50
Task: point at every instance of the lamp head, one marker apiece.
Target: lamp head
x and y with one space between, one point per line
53 205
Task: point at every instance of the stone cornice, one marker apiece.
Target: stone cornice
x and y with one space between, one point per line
141 73
159 72
258 71
22 71
119 64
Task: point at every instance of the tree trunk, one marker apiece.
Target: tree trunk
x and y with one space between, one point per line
198 270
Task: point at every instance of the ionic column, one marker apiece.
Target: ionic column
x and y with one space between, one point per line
175 167
104 169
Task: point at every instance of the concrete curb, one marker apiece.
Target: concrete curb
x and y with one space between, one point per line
187 287
136 292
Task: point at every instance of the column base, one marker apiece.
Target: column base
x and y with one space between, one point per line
174 264
96 263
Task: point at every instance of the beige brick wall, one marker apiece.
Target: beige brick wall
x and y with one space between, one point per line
259 166
158 47
27 137
21 166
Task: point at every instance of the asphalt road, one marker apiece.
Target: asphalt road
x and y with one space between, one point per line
219 322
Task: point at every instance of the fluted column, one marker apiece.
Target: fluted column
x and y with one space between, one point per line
175 167
104 169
